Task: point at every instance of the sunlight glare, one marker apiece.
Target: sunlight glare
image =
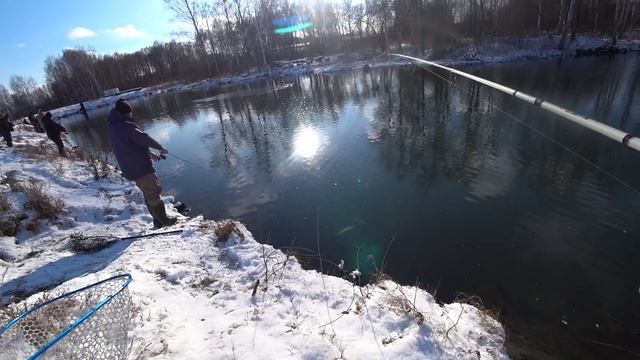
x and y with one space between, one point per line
306 142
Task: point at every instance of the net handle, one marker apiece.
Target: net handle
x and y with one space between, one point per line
57 338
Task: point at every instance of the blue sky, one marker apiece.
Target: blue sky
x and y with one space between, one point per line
31 30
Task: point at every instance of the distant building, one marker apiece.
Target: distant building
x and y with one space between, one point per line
110 92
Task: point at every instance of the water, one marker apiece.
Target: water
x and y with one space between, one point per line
475 202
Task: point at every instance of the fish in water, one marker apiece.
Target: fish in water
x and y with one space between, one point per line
348 228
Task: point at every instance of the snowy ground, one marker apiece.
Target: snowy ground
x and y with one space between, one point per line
464 53
519 49
192 293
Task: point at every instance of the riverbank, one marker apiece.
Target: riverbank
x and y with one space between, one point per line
212 291
494 50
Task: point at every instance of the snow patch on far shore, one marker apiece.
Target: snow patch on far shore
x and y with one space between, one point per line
520 49
198 296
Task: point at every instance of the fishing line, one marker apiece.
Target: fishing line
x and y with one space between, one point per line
540 133
599 127
191 163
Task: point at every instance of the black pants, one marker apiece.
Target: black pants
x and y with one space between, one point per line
7 138
59 143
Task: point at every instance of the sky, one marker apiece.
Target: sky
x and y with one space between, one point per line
32 30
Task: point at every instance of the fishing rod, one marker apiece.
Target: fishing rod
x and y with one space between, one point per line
603 129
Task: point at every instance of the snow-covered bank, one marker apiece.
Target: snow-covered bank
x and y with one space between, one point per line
530 48
194 294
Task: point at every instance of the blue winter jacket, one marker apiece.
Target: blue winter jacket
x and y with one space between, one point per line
131 146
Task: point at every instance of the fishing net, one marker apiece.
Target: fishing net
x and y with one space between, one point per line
88 323
81 242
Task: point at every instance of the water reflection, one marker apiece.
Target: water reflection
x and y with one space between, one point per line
476 202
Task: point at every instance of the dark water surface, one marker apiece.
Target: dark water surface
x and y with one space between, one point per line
477 202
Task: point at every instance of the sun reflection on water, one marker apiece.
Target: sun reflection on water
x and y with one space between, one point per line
306 142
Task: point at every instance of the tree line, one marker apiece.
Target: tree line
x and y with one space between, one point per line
231 36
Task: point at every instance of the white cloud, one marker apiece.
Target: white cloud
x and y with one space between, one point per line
127 31
21 45
80 33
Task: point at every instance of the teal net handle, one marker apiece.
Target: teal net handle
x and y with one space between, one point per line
77 323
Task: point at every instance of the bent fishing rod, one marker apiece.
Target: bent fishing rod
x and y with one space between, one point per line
603 129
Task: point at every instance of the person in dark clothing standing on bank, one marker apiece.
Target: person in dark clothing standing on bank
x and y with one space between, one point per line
131 148
5 129
33 121
53 130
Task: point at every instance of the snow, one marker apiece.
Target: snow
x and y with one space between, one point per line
193 294
499 50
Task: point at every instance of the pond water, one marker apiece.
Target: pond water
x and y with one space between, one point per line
459 196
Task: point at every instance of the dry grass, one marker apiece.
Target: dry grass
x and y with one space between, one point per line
476 302
11 311
8 224
399 301
204 283
40 151
97 160
8 217
59 167
396 298
46 322
44 204
5 205
223 229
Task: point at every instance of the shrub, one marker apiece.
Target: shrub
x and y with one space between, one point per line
38 200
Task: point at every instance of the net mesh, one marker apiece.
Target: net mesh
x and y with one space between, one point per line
102 335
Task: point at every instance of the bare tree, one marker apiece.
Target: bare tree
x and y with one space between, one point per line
6 103
231 36
186 11
25 94
566 23
596 9
539 22
622 14
561 15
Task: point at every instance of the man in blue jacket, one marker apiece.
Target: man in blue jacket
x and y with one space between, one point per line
131 148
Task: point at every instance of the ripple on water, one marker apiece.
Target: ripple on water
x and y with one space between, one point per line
496 177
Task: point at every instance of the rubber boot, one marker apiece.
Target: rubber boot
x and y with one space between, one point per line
156 223
159 213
